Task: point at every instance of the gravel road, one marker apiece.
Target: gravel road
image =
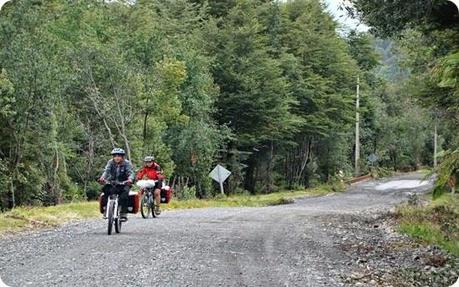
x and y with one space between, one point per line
338 240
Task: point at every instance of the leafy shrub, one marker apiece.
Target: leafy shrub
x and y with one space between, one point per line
448 167
379 172
187 193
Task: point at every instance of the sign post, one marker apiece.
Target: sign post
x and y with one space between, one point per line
220 174
372 158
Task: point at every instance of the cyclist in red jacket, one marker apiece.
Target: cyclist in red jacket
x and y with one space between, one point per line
152 170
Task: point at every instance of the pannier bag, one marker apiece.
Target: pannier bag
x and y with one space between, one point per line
101 207
134 202
166 194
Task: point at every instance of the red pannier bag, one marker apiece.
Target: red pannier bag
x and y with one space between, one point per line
166 194
134 201
101 208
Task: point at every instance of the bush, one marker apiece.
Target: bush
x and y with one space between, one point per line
297 186
240 191
449 167
337 184
187 193
219 196
93 190
379 172
436 223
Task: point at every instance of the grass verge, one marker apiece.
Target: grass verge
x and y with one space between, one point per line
24 218
276 198
436 223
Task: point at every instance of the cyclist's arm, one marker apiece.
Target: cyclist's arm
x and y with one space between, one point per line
106 173
130 172
140 174
159 171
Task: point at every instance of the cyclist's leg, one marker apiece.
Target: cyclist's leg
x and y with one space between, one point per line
157 194
124 200
106 190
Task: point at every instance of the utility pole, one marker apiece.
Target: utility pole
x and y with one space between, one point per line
357 130
13 199
435 144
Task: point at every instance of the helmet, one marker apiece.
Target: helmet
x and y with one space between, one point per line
118 151
149 158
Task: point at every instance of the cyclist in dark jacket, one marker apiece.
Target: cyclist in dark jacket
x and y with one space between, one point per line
120 170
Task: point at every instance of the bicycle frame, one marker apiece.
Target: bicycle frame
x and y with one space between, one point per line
149 193
110 199
112 208
148 203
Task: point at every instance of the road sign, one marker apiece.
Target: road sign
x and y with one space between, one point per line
372 158
220 174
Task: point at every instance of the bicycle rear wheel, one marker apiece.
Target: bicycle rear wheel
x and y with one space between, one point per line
153 209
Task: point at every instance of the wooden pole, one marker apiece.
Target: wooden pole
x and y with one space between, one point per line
435 145
220 181
357 130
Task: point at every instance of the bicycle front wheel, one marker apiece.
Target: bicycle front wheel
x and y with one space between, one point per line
110 217
118 221
145 206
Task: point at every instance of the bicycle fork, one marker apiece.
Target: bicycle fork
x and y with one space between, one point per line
115 210
115 207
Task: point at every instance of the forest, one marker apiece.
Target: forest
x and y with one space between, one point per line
266 88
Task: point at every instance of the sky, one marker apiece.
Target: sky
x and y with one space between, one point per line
341 16
2 2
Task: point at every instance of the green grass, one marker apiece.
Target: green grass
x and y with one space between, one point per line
437 223
425 171
31 217
248 200
23 218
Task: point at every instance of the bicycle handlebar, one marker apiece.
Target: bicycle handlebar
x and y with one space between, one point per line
115 182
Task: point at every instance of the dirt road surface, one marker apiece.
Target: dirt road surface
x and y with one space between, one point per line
344 239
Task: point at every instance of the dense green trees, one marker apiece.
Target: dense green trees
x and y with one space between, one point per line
266 88
427 43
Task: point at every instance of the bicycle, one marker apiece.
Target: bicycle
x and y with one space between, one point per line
148 204
113 208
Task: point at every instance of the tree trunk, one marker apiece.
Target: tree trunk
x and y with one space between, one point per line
93 94
305 158
296 161
144 134
250 182
123 132
269 170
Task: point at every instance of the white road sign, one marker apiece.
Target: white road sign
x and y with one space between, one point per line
220 174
